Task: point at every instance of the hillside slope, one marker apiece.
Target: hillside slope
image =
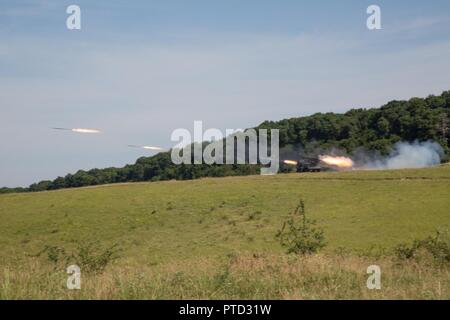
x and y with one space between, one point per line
154 222
214 238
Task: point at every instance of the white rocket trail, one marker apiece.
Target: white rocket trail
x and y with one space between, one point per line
79 130
146 147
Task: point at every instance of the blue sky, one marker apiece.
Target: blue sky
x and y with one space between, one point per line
137 70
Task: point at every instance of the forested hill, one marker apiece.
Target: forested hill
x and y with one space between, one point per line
374 129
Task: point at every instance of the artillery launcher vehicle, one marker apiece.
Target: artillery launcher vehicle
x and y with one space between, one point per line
307 164
321 163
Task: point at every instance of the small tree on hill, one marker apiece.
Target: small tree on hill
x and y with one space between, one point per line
299 234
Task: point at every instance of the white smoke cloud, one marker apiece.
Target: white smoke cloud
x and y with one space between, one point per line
409 155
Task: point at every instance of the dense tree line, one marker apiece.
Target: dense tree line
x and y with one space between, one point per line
373 129
156 168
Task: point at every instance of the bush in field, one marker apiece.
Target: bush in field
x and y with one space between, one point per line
438 246
299 234
94 259
54 254
88 257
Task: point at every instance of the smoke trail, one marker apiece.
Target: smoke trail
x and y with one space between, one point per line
79 130
146 147
409 155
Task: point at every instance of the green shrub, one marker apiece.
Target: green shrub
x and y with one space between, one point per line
299 234
89 257
438 246
404 251
94 259
54 254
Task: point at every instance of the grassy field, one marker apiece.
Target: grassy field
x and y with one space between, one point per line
215 238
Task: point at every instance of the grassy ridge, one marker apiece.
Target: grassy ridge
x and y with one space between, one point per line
156 221
162 224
